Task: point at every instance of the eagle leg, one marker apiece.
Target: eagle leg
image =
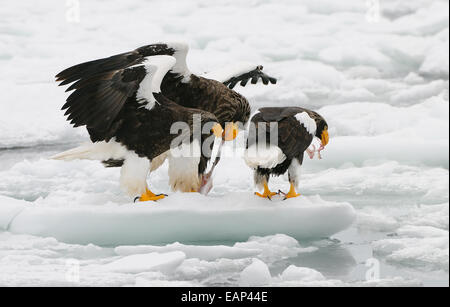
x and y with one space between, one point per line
311 152
292 193
150 196
267 193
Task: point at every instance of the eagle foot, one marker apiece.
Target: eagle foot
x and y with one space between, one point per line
266 194
150 196
290 194
252 76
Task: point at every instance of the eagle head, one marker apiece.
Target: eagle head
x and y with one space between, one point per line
322 132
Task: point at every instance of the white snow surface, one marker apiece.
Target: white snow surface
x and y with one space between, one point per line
235 217
381 82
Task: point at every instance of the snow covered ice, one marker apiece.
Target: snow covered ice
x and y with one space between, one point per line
187 218
380 79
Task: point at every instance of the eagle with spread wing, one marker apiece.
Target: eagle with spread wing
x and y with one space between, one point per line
105 88
130 120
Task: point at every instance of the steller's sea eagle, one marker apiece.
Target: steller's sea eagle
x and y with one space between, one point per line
212 92
130 120
294 128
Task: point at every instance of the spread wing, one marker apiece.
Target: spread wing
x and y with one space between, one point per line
97 100
113 63
240 73
100 95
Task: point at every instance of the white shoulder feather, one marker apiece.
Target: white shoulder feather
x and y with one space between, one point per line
157 67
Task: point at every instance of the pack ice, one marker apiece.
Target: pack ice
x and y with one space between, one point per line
181 217
381 81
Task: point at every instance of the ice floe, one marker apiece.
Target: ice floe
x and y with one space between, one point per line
235 217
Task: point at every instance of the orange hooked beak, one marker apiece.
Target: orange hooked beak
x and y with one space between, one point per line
217 130
231 131
325 138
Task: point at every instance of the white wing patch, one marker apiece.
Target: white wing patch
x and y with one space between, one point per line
180 67
157 67
307 122
145 91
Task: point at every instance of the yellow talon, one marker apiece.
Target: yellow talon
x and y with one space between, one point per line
267 193
150 196
292 193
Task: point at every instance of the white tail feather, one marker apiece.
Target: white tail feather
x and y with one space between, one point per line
133 174
94 151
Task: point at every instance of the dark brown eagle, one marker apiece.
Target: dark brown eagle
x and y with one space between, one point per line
131 120
278 138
